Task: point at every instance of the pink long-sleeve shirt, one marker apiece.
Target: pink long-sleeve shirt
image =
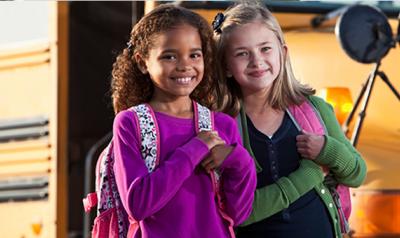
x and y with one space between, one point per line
177 199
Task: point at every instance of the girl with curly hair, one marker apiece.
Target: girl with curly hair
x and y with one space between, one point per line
169 65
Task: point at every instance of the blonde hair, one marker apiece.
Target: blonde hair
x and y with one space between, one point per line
286 89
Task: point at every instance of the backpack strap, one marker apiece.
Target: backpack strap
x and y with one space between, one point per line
105 183
149 135
204 121
307 117
203 117
107 191
91 200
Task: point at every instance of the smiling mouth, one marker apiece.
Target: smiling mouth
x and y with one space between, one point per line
184 80
257 73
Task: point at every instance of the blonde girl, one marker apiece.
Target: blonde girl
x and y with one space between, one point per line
291 199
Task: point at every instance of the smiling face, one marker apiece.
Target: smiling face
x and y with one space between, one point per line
175 62
253 57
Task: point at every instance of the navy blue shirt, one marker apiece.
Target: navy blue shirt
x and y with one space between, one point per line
306 217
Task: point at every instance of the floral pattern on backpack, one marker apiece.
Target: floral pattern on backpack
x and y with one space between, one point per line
111 220
148 135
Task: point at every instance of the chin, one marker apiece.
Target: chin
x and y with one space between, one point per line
184 93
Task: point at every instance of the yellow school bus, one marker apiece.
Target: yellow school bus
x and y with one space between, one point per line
55 112
33 174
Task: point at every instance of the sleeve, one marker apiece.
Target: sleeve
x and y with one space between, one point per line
274 198
238 176
338 154
143 193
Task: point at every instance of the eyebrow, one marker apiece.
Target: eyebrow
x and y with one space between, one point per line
174 50
260 44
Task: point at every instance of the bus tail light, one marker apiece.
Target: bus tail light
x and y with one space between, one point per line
37 226
340 99
375 213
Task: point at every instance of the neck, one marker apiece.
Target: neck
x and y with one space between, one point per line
179 107
256 102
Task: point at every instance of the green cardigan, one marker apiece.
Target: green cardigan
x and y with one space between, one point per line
337 154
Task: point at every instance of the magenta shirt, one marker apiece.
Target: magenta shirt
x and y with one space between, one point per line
177 199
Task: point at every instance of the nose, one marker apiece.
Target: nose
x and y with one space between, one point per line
256 60
183 65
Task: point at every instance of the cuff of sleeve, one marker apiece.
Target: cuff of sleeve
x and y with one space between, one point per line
330 152
237 159
287 187
196 150
301 181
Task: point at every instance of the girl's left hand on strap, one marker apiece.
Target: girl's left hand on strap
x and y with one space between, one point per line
310 145
216 156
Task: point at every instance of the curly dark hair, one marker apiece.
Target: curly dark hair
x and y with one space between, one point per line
129 86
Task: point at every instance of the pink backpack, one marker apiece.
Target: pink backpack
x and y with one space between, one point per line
306 117
112 221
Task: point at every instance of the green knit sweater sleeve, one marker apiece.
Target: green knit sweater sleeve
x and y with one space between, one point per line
274 198
338 154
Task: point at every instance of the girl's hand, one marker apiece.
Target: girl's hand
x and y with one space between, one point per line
309 145
217 155
210 138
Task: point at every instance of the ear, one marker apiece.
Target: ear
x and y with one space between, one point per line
141 63
285 50
228 74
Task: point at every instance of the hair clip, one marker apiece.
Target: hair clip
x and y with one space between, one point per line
129 46
217 23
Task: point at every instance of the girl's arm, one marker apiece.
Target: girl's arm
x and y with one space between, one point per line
143 193
273 198
238 176
338 154
238 184
237 171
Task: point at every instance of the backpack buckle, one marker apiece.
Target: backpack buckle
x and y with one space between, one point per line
90 201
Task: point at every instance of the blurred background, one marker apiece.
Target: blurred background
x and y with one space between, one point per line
56 113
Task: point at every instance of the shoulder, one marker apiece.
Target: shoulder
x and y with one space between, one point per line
320 103
124 120
226 126
223 120
123 116
326 112
125 127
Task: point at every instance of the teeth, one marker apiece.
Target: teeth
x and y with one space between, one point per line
183 80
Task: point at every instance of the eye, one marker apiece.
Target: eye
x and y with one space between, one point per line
168 57
265 49
241 54
196 55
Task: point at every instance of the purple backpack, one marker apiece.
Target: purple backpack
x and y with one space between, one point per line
112 221
306 117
